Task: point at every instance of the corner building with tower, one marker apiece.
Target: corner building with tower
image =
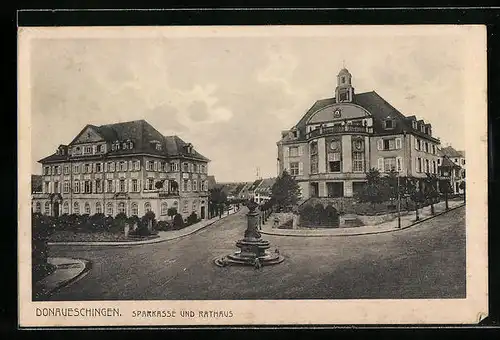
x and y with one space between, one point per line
126 167
339 139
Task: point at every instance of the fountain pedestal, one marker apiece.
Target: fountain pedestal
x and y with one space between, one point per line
253 249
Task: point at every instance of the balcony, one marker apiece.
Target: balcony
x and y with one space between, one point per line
165 194
339 129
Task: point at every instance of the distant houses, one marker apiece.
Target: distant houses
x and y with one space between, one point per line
452 166
258 190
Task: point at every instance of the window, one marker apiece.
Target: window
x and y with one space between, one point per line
342 96
163 208
158 146
439 161
88 149
195 185
188 185
66 187
38 207
294 168
434 167
87 168
389 124
76 187
135 188
98 167
47 208
87 208
358 161
463 161
58 169
147 207
314 164
194 206
150 184
111 166
110 185
389 144
174 167
122 185
98 185
185 167
293 151
185 185
76 208
134 209
98 208
427 166
313 148
389 164
125 146
65 208
87 187
47 187
334 162
76 169
100 148
109 209
121 208
56 187
137 165
46 170
343 80
414 124
123 166
399 164
185 206
66 169
418 145
426 147
196 168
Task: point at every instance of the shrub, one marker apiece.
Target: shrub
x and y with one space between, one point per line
97 221
41 228
171 212
193 218
164 226
133 220
287 225
178 222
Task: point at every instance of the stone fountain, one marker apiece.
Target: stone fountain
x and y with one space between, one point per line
253 249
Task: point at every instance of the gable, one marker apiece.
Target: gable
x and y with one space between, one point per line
338 112
88 135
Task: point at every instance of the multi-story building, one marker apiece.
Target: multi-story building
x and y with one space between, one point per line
260 190
126 167
333 146
452 166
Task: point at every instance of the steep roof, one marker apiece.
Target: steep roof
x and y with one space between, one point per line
449 151
212 183
379 108
143 135
266 185
254 185
447 163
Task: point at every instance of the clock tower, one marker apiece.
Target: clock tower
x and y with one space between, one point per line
344 92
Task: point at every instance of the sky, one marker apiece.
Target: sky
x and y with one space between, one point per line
231 96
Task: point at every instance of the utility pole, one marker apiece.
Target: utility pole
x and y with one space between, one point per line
399 205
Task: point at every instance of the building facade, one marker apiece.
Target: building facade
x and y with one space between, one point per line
128 168
339 139
452 166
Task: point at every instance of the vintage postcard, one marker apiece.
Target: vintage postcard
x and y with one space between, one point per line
264 175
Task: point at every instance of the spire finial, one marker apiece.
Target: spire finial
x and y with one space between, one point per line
343 63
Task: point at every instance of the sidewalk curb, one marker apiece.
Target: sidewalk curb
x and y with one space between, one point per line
368 232
134 243
86 265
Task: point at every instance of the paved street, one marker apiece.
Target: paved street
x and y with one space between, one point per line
425 261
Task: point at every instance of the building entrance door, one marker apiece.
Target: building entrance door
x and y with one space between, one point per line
202 213
55 208
314 190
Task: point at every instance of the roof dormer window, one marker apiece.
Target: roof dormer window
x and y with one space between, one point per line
389 124
414 125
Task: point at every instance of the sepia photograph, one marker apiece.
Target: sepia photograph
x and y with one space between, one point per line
252 175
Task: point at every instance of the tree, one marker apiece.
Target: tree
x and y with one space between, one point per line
171 212
445 188
376 190
217 198
415 190
159 185
430 190
285 192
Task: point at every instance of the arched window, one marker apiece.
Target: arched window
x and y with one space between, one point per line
76 208
164 208
147 207
121 208
87 208
109 209
47 208
65 208
98 208
38 207
135 209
